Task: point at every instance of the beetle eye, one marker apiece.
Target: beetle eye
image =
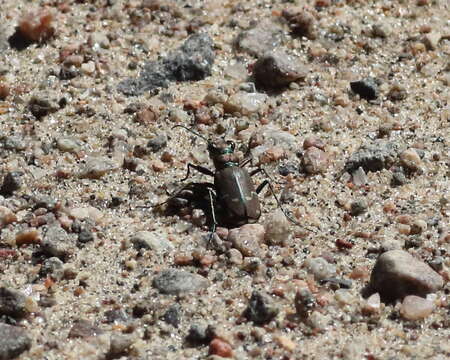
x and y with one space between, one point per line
231 144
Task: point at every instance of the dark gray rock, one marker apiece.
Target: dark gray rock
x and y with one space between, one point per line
366 88
12 303
11 182
172 316
358 207
57 242
52 267
197 335
14 143
41 107
264 37
174 282
191 62
13 341
261 309
373 156
397 274
277 69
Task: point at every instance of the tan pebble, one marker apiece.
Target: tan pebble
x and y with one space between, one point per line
431 40
6 216
79 213
220 348
158 166
88 68
404 229
404 219
272 154
359 273
313 141
31 305
372 304
27 237
342 100
411 160
314 161
4 90
416 308
285 342
248 239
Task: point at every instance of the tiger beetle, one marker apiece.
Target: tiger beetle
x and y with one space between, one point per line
232 196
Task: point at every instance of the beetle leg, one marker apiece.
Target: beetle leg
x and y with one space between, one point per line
267 183
213 215
245 161
200 169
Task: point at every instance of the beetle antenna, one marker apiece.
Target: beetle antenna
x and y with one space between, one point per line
192 131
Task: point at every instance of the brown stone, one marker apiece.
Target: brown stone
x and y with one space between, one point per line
397 274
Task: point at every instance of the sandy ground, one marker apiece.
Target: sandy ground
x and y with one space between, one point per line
85 163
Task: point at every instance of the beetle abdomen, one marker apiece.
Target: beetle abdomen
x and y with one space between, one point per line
236 196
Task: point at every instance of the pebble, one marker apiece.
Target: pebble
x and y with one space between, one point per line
344 297
14 143
151 241
277 229
397 274
68 144
366 88
120 346
313 141
245 103
373 156
52 267
416 308
84 213
318 321
381 30
57 242
7 216
359 177
301 22
12 303
36 26
397 93
372 305
96 167
277 69
27 237
410 160
158 142
40 106
11 183
314 161
175 282
358 207
304 301
191 62
284 342
248 239
220 348
197 335
83 329
431 40
261 308
320 268
264 37
173 315
14 341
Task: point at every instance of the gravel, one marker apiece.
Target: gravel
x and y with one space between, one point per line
66 69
